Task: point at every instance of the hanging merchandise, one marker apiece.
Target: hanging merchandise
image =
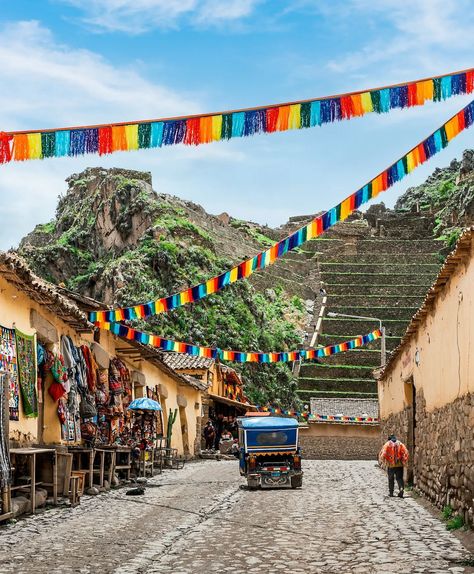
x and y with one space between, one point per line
27 372
238 356
8 363
5 466
397 171
206 128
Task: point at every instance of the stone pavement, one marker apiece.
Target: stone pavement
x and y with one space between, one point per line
200 520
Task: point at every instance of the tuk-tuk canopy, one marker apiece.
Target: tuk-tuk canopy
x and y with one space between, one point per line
267 423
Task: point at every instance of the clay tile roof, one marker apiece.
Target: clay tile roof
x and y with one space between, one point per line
15 270
182 361
346 407
459 256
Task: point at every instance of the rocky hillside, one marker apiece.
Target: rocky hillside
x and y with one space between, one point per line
118 241
448 194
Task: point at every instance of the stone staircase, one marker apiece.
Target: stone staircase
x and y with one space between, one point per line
368 275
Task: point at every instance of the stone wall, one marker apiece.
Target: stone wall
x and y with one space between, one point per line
340 447
443 461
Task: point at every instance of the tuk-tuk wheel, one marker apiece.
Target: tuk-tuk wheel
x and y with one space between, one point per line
296 481
252 484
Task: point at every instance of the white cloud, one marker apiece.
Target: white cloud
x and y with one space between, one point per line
50 85
421 35
138 16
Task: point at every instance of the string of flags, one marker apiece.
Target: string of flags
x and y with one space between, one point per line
386 179
201 129
317 417
238 356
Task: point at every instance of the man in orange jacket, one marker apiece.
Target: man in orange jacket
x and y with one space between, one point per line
394 455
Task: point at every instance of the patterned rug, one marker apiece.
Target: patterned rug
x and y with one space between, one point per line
5 468
9 365
27 372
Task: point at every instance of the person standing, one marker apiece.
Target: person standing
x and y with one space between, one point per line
209 435
394 456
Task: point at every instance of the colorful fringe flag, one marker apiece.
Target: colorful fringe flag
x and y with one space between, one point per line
394 173
316 417
237 356
201 129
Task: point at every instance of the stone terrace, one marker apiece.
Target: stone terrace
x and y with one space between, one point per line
368 271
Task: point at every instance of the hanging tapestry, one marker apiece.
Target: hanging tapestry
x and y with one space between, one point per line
8 363
5 467
27 372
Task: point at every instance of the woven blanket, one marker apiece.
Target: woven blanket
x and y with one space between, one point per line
27 372
5 467
8 364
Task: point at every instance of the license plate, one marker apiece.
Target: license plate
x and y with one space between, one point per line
275 474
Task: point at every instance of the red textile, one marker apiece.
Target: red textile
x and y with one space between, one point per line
394 454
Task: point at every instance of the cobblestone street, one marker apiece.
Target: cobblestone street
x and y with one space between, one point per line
200 520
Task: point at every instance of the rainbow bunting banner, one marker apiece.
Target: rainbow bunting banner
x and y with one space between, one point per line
237 356
317 417
201 129
393 174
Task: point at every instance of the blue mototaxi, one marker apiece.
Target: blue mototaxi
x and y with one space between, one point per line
269 455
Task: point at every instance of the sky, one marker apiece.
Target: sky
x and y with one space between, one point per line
70 62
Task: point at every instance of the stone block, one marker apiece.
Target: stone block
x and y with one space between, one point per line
20 505
162 391
101 355
138 378
46 331
181 400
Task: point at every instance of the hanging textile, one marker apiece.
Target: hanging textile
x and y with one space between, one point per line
206 128
394 173
27 372
8 363
5 467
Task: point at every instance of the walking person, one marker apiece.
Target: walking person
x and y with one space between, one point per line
394 456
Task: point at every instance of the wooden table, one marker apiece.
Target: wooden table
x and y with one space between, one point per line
6 503
101 454
78 453
32 454
123 460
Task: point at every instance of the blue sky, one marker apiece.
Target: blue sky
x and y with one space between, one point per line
70 62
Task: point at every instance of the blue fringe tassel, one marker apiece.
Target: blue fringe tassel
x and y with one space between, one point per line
77 144
238 121
315 119
61 147
156 136
91 140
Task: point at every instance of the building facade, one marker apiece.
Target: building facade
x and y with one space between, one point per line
426 390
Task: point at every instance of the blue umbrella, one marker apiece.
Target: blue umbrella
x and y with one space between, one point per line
144 404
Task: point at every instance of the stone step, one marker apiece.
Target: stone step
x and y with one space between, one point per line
389 267
356 327
376 257
306 395
364 246
340 385
382 312
262 281
359 289
413 278
339 301
333 339
363 356
337 371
